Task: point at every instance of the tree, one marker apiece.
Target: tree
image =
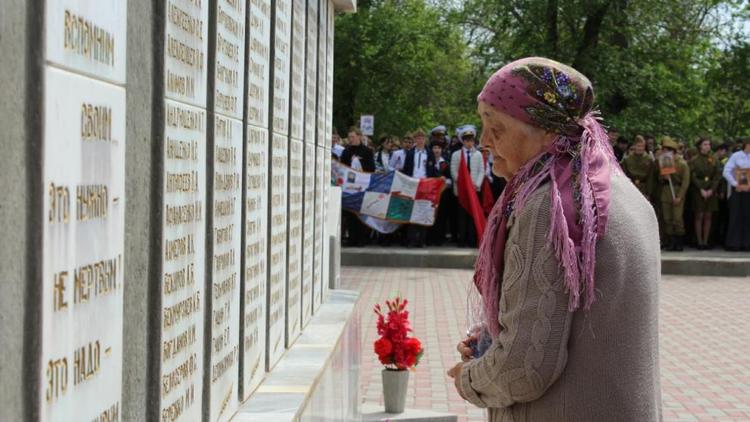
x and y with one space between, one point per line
649 60
403 62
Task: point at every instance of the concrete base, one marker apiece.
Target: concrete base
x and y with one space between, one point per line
318 377
717 263
373 412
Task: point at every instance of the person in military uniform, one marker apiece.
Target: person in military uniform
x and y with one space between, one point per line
705 176
640 168
673 186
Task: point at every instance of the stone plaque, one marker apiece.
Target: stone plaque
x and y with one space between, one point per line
88 36
308 233
311 71
82 256
329 78
297 115
185 58
277 255
326 182
322 43
319 225
183 258
294 248
225 289
258 70
230 58
256 240
281 65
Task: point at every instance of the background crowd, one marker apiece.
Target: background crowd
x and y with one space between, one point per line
700 190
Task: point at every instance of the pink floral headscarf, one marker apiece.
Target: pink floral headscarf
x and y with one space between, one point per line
559 99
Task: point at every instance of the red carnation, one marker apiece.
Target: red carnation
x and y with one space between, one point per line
383 348
394 348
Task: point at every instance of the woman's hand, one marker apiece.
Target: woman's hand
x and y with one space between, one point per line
455 373
464 348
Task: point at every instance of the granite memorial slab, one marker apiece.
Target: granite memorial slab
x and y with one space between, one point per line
255 247
225 288
258 66
294 242
183 259
185 51
281 65
277 249
87 37
230 58
297 112
311 71
82 257
308 233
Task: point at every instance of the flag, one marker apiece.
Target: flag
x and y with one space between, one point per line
467 197
488 199
392 196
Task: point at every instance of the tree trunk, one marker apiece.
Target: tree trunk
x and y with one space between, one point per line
552 35
591 30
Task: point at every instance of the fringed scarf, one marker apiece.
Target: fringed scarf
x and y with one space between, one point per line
557 98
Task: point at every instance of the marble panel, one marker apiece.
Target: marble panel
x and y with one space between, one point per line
322 112
277 253
230 58
255 247
259 62
83 246
282 50
311 71
308 233
185 51
294 239
183 259
329 76
297 112
87 36
225 290
319 227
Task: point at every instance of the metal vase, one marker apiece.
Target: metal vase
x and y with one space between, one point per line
394 390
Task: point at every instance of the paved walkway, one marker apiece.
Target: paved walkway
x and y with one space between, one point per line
705 341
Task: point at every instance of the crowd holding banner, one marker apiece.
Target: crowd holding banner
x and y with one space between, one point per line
431 189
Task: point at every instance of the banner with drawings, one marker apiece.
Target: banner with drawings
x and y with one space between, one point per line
392 196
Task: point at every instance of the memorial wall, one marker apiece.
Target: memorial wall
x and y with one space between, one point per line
220 262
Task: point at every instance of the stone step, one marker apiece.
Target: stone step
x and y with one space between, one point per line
717 262
372 412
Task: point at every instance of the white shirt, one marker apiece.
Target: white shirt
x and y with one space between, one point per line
397 159
420 163
739 159
383 164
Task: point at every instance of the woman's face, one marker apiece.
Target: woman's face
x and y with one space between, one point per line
639 147
354 139
437 150
511 142
705 147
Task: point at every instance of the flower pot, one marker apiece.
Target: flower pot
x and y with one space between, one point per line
394 390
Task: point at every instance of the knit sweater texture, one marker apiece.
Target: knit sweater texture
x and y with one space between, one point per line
549 364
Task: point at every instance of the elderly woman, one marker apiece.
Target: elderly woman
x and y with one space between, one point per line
568 268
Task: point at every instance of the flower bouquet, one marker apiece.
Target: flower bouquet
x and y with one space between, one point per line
397 351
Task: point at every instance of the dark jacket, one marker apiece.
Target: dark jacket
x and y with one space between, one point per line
409 161
364 154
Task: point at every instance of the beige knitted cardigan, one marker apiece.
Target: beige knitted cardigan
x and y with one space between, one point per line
549 364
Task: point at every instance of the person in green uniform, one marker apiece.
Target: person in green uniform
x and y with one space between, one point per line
705 176
640 168
673 186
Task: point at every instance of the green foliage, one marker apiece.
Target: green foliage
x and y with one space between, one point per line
402 62
672 67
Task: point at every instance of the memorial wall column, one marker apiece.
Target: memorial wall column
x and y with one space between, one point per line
296 173
182 283
322 157
227 78
80 376
279 170
255 276
330 16
311 265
